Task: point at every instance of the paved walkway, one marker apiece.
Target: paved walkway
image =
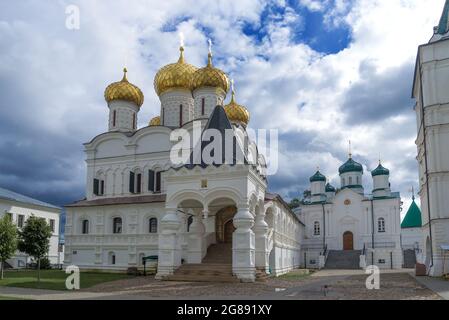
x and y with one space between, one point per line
437 285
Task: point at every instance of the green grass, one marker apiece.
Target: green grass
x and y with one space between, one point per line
296 275
55 279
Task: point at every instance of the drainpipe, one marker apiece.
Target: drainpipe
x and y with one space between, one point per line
324 226
372 230
423 124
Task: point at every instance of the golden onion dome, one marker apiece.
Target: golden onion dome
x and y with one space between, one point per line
210 76
156 121
175 75
124 90
236 112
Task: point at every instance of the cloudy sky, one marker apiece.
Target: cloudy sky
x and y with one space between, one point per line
322 72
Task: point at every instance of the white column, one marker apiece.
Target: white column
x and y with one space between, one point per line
196 240
169 244
243 246
261 241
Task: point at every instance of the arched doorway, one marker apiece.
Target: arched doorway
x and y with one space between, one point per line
223 224
348 240
228 231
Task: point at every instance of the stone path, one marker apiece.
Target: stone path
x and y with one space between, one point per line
322 285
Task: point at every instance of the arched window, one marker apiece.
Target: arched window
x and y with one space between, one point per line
316 228
85 226
350 181
189 222
381 225
203 102
343 181
358 180
117 225
153 225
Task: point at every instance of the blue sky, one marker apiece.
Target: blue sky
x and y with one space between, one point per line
322 72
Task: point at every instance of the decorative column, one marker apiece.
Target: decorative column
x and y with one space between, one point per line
169 258
261 237
243 246
196 240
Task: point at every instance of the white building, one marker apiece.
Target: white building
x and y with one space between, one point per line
430 90
217 219
20 208
347 228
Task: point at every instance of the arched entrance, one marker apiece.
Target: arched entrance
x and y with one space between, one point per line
348 240
224 225
228 231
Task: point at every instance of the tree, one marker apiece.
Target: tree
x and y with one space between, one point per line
8 240
295 203
34 239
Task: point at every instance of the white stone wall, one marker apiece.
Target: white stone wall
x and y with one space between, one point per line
430 92
212 97
125 112
170 107
26 210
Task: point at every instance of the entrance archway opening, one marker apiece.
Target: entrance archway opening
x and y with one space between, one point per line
348 241
228 231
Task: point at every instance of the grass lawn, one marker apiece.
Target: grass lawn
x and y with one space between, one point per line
296 275
55 279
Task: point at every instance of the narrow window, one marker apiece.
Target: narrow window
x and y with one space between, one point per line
316 228
134 121
112 258
343 181
180 116
131 182
96 187
114 116
20 220
101 187
52 225
158 182
85 226
189 222
350 181
381 225
203 102
151 180
153 225
358 180
117 225
139 183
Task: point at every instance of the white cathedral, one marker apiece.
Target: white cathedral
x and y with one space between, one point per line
198 220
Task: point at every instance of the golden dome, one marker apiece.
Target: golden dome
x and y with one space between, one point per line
124 90
236 112
210 76
175 75
156 121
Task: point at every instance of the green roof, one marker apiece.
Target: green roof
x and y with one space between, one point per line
443 26
350 166
380 171
413 217
330 188
317 177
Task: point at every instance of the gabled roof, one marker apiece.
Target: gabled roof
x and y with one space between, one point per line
13 196
220 122
443 26
413 217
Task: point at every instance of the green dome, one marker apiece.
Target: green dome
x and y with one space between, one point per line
317 177
380 171
350 166
329 188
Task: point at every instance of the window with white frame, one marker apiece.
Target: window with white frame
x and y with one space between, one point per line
135 182
85 226
381 225
153 225
20 220
52 225
117 225
316 228
154 181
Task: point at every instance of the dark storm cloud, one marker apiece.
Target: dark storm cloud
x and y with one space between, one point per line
377 96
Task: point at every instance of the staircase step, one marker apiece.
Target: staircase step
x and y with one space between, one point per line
343 259
195 278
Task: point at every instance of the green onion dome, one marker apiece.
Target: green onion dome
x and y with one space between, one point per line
317 177
350 166
380 171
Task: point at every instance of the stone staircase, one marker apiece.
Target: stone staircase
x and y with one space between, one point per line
345 260
216 267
